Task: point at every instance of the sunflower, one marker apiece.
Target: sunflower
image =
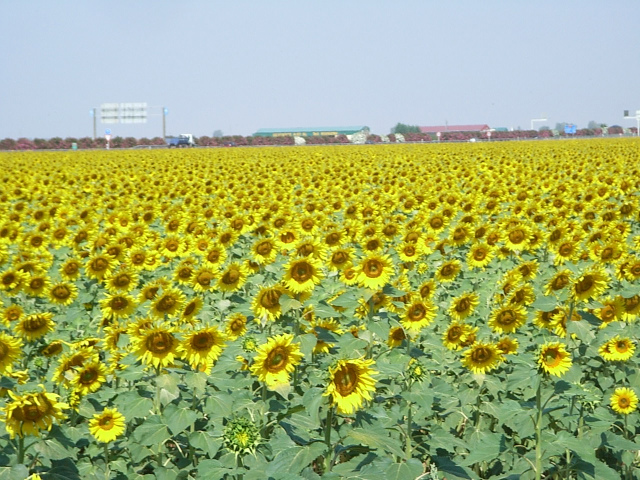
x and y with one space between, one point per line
479 256
10 351
558 282
427 290
264 251
35 326
517 238
418 314
11 281
463 306
624 400
99 266
11 314
631 308
69 362
233 277
374 271
63 293
455 335
156 346
482 357
448 271
236 326
242 435
191 309
507 345
172 246
117 305
37 285
612 309
317 326
52 349
528 270
522 296
507 318
107 425
29 413
566 251
340 258
168 303
349 275
590 284
396 337
266 303
123 280
276 359
618 349
554 358
351 384
89 377
409 252
203 279
215 256
303 274
201 348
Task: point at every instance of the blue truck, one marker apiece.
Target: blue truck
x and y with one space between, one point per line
182 140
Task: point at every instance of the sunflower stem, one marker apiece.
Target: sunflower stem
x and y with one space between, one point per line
327 439
539 431
571 307
20 449
407 444
107 473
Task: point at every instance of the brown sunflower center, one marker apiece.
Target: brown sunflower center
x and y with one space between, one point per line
301 272
99 264
36 283
61 292
436 222
463 305
552 357
481 355
270 299
339 258
623 402
373 268
346 379
506 318
172 245
479 254
585 284
190 308
565 249
306 249
276 359
516 236
417 312
106 422
88 376
409 250
264 247
447 270
454 333
118 303
71 268
34 323
204 278
560 282
202 341
166 303
607 313
159 342
231 276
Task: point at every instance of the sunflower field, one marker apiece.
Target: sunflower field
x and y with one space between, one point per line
442 311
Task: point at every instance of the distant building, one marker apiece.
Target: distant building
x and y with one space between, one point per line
311 132
455 128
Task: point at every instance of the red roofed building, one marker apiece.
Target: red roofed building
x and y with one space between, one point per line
455 128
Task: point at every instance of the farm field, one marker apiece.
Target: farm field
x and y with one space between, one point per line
457 311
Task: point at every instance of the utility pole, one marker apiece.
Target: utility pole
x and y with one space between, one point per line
165 112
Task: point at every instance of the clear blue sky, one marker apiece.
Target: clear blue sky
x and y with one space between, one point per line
243 65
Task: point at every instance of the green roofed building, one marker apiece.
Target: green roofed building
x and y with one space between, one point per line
310 132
